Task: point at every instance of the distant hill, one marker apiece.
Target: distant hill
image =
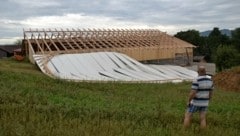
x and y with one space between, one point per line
223 31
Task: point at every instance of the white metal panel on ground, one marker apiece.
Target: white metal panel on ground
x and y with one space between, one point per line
144 75
127 62
187 71
165 70
176 71
104 61
84 66
125 72
109 66
57 67
79 68
91 68
148 69
117 76
116 60
184 72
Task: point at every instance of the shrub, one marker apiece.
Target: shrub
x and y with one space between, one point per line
226 57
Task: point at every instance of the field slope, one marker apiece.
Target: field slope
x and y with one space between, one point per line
34 104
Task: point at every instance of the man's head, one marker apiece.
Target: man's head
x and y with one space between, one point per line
201 70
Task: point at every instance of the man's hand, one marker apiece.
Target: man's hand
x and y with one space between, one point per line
188 104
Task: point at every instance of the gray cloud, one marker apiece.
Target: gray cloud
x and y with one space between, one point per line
167 15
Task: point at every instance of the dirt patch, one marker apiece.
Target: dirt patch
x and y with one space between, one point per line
228 80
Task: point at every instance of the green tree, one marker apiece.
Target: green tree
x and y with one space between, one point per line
226 57
18 42
204 48
191 36
216 39
236 38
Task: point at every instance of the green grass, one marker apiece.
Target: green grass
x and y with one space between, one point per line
34 104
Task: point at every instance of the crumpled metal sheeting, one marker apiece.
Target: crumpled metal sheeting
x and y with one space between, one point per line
109 66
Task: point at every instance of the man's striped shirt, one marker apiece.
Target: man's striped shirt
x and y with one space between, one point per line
203 85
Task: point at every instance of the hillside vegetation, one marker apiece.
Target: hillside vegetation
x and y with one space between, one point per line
34 104
229 80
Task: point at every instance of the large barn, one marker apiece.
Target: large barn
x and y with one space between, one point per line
146 45
8 50
108 54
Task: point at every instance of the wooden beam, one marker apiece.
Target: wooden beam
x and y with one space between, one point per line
51 41
38 45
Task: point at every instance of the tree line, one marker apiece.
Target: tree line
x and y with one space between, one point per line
217 48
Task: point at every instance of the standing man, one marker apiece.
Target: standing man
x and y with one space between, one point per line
199 96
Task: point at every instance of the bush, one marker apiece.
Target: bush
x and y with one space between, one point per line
226 57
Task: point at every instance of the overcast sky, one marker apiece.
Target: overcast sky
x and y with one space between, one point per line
170 16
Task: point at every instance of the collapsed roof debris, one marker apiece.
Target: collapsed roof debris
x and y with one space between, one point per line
109 66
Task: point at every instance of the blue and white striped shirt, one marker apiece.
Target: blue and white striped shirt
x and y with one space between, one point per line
203 85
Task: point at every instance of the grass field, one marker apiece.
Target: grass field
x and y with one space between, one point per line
32 104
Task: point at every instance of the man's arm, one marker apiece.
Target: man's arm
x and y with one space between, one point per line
211 92
192 94
210 95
